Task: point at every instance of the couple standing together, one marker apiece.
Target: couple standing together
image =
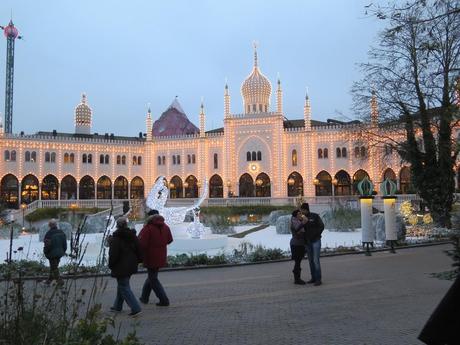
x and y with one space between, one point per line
306 229
126 251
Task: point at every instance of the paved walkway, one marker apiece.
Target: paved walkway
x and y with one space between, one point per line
383 299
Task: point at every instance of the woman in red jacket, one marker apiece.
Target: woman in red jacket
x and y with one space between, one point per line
154 238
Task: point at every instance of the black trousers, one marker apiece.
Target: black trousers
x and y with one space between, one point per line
297 254
54 269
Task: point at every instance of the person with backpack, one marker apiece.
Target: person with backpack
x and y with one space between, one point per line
55 246
124 257
154 238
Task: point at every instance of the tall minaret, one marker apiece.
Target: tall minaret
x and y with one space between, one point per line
226 102
83 117
148 124
374 110
307 113
279 98
202 121
11 33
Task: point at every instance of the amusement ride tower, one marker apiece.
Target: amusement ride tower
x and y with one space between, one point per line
11 33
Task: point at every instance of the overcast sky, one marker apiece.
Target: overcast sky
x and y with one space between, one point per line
126 54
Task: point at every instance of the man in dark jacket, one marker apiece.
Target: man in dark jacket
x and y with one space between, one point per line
313 229
124 257
55 246
154 238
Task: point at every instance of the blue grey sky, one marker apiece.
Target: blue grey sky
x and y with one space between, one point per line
126 54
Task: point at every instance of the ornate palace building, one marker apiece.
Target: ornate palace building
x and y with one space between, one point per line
259 153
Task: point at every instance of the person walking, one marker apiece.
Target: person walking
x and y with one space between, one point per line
124 257
154 238
297 243
314 227
55 246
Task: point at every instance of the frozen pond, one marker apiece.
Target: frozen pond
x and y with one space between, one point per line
32 249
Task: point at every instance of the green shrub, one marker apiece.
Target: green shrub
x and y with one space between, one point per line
43 213
341 217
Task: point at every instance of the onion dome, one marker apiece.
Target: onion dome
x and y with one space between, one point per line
173 122
10 31
256 90
83 117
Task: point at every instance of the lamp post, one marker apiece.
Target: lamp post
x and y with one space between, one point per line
23 208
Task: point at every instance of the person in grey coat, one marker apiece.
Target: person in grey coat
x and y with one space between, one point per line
297 243
55 246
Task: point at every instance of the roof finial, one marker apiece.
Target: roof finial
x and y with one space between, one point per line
83 98
306 94
255 54
148 108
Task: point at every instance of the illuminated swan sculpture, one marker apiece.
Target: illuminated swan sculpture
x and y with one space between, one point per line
156 200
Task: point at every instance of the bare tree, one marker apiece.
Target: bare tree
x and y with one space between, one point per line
414 73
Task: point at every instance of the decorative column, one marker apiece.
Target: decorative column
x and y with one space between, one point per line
365 189
226 102
388 189
148 125
279 99
307 113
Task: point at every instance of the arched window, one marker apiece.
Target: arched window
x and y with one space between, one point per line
163 160
104 188
66 157
357 152
254 108
189 159
248 156
50 188
249 108
191 187
86 188
320 153
216 162
325 153
71 158
259 155
106 159
266 108
294 158
263 185
9 194
216 187
84 158
120 188
254 156
134 160
363 151
178 159
338 152
53 157
357 177
343 183
47 157
193 159
260 107
137 188
344 152
33 156
90 158
139 160
246 186
13 156
174 159
295 184
68 188
101 159
176 189
323 184
159 160
7 155
29 189
123 160
118 160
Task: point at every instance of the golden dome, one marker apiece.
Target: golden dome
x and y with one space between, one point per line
256 90
83 114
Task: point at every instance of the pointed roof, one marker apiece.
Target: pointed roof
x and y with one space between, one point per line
173 121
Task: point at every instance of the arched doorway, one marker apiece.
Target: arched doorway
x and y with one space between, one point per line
9 190
29 189
323 184
69 188
357 177
405 184
176 189
263 185
191 187
216 187
295 184
343 186
104 188
86 188
120 188
137 188
246 186
50 188
389 174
